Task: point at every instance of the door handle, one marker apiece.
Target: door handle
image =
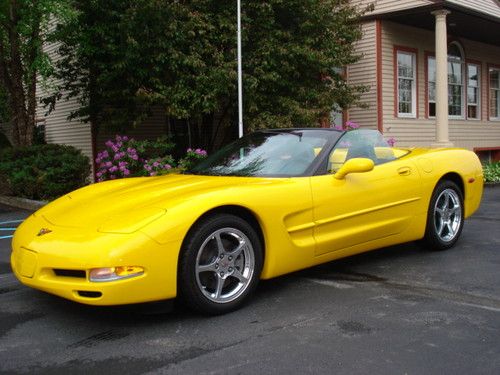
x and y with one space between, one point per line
404 171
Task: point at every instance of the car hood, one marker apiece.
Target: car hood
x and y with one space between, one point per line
138 200
126 205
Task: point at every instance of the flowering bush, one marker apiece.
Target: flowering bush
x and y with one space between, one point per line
119 159
191 158
124 157
391 141
348 125
159 166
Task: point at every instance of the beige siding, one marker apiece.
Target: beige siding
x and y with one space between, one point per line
387 6
364 73
58 129
421 131
490 7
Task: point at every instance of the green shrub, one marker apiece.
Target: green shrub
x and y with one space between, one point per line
491 172
43 171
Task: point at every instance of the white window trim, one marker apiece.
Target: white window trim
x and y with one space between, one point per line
414 98
478 104
489 94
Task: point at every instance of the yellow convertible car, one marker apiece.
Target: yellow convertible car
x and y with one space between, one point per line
268 204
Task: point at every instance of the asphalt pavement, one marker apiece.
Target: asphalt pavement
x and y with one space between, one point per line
398 310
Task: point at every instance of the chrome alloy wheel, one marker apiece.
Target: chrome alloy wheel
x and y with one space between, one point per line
447 215
225 264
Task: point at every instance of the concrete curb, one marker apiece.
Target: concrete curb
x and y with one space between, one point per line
25 204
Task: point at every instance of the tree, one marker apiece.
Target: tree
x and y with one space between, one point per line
120 57
4 109
24 26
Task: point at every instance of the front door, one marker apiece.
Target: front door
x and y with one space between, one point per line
367 206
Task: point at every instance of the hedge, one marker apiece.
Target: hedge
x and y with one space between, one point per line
42 172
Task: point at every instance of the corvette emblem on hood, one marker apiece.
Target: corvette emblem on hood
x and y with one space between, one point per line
43 231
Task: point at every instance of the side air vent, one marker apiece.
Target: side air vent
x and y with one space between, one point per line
70 273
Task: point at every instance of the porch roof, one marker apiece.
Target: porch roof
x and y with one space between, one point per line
462 22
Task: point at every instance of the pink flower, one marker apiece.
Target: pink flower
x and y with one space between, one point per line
108 164
391 141
126 172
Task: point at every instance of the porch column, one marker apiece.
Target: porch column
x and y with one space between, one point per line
442 137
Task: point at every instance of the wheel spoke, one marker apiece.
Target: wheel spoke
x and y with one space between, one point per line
440 227
218 288
446 200
451 232
220 245
236 252
439 211
207 267
237 274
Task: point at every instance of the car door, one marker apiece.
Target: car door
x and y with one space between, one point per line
363 207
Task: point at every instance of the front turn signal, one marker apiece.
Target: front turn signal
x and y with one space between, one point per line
114 273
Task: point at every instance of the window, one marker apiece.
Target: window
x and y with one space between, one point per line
406 84
494 77
455 83
431 77
473 91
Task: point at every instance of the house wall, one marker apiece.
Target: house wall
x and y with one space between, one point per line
421 131
58 129
364 73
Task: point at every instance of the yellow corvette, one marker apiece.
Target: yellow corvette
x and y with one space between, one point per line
268 204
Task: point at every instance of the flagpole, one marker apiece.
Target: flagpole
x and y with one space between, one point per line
240 77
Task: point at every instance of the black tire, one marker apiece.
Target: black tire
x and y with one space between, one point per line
220 264
445 217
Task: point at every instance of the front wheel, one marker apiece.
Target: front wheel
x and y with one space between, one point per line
445 218
220 264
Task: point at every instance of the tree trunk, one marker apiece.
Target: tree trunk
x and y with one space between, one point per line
14 75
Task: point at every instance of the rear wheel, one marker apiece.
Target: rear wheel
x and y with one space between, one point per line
445 217
220 264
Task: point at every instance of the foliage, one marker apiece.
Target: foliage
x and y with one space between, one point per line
492 172
24 27
4 107
43 171
120 57
192 157
126 157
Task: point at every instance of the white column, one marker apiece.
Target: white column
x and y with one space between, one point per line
442 137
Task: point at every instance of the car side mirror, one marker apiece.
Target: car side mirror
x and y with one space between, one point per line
355 165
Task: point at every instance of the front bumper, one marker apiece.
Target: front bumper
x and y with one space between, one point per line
59 263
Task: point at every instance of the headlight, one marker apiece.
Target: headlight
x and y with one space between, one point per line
114 273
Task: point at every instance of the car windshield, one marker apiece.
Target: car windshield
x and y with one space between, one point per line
286 153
